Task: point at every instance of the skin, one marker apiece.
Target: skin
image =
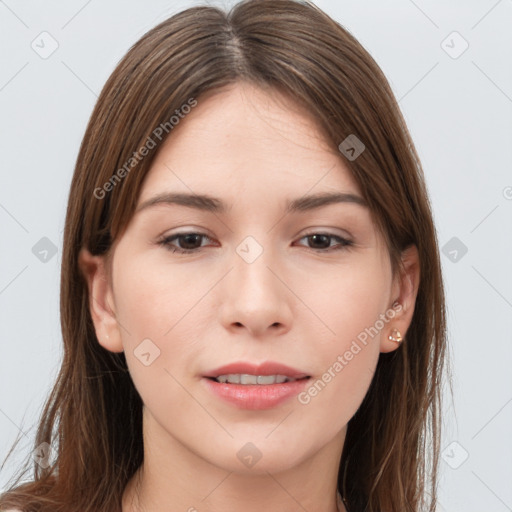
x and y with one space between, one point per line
294 304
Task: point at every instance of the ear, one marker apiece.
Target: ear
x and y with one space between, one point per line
403 299
101 300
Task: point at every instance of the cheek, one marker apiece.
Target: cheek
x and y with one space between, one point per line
151 300
351 305
152 308
346 299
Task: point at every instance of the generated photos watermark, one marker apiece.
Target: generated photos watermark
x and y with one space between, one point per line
158 133
343 360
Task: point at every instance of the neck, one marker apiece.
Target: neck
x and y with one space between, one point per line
188 482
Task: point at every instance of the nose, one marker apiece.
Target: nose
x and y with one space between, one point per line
255 298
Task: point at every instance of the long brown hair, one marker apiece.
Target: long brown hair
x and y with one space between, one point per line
93 416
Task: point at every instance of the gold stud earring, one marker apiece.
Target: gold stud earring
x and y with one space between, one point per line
395 335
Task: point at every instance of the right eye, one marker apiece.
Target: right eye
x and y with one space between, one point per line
187 242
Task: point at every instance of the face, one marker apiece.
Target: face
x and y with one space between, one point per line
255 273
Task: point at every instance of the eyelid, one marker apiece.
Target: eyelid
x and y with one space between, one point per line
328 231
166 238
183 231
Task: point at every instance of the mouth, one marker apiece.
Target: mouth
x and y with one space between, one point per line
245 379
250 386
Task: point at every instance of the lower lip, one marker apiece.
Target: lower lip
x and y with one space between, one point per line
256 396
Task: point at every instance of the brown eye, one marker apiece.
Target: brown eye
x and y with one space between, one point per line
322 242
319 241
187 242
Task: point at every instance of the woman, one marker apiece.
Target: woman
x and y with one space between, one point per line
252 304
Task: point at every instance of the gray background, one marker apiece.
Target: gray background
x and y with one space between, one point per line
458 107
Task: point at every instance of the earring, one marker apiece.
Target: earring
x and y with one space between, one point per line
395 335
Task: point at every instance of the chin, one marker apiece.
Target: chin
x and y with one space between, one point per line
259 456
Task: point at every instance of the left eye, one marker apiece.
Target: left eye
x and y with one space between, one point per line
191 242
323 241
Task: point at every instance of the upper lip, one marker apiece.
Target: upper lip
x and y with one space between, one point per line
266 368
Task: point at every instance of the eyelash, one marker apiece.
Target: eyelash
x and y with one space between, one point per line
166 242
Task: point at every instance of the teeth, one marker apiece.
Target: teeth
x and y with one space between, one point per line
266 379
248 379
244 378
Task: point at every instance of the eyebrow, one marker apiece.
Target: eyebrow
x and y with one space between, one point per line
212 204
314 201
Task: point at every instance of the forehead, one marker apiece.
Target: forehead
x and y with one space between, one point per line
255 141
